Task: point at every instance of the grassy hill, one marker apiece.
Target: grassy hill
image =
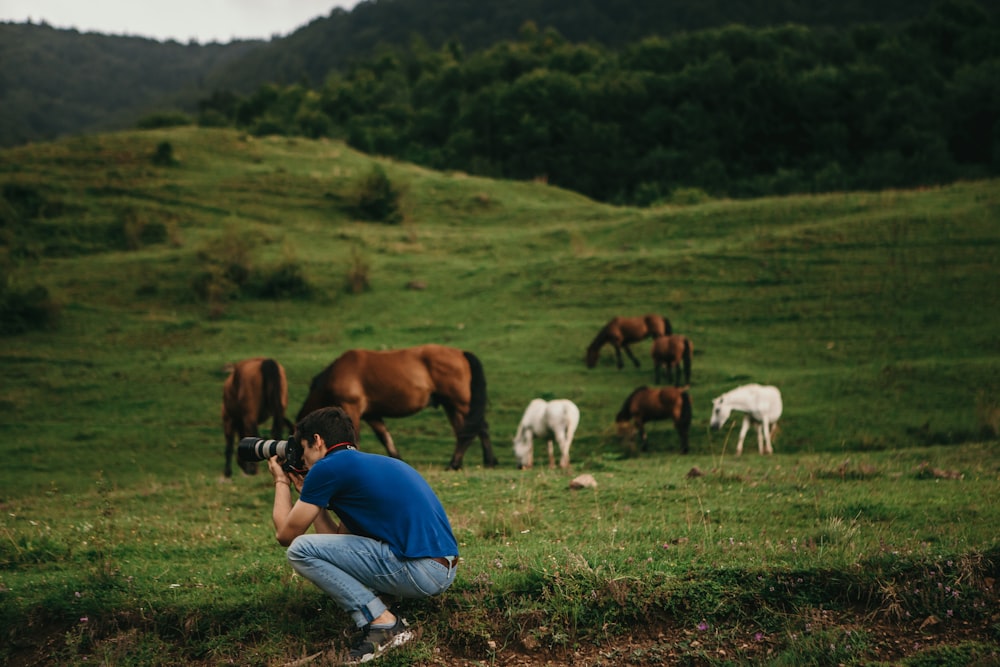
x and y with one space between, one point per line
875 313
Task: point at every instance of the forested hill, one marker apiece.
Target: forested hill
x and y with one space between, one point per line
328 44
62 82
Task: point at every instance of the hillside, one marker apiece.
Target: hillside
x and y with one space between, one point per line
873 299
867 538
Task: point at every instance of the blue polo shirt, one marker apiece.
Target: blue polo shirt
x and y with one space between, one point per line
383 498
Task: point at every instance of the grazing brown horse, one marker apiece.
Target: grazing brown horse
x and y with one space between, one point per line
669 352
255 391
620 332
372 385
647 404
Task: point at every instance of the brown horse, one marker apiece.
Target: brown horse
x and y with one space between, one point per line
669 352
620 332
372 385
647 404
255 390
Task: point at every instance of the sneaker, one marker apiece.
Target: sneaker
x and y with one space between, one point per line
379 640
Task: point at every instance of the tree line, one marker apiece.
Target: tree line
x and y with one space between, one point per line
733 111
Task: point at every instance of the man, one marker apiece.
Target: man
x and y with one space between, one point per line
393 536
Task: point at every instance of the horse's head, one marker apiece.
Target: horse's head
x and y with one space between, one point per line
523 449
593 354
721 410
625 429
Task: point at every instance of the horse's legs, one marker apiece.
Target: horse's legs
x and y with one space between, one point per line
564 441
618 355
227 427
461 446
766 431
552 457
631 356
276 425
743 434
684 432
382 433
248 429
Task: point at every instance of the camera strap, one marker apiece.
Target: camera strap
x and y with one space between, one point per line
339 446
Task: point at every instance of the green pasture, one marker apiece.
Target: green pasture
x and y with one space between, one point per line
875 313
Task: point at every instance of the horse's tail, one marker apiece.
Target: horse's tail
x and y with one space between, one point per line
270 374
685 420
625 413
475 421
668 329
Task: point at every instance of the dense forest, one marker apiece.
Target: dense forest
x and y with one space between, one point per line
62 82
344 37
731 111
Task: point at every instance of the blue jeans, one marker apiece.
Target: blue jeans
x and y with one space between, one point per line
353 570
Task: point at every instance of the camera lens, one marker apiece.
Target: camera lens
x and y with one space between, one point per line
260 449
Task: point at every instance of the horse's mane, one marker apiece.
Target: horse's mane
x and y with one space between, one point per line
625 413
600 338
595 345
317 396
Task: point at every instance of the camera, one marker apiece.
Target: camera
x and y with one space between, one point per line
260 449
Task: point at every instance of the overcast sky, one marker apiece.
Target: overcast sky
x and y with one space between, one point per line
181 20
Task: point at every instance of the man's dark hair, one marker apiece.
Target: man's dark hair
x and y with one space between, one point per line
332 424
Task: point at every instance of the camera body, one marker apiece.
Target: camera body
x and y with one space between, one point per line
261 449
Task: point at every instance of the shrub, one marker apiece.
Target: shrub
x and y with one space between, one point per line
376 199
284 282
164 155
162 119
25 309
357 274
212 118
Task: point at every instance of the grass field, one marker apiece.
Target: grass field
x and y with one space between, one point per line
869 537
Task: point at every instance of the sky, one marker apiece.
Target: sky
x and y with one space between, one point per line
204 21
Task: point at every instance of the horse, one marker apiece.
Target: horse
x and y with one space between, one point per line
669 352
255 391
646 404
373 385
546 419
761 405
620 332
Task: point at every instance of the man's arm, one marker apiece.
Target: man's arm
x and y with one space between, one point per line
290 521
325 523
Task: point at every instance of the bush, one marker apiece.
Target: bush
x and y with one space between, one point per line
376 199
25 309
164 155
213 118
284 282
357 274
162 119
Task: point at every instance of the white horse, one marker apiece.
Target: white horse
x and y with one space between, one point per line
760 404
546 419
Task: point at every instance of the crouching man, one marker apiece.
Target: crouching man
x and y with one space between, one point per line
387 533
